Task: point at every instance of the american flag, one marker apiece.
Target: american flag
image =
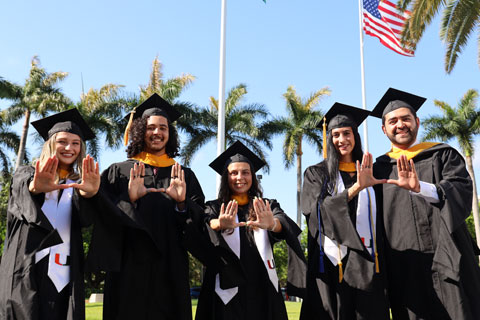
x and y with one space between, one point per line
383 20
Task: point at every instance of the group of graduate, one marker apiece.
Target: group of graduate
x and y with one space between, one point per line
389 235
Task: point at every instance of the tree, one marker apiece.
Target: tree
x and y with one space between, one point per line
103 110
9 141
38 96
459 19
302 122
241 123
167 89
462 123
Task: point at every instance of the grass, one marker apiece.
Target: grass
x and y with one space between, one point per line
94 310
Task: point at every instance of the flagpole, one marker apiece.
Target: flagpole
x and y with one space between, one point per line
364 99
221 86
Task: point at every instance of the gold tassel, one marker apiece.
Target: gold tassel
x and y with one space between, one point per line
340 272
324 138
377 268
127 129
340 265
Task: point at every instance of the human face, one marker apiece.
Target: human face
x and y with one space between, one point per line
401 127
156 135
67 148
344 141
239 177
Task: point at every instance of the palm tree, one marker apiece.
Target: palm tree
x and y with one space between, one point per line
462 123
169 89
103 110
38 96
241 123
9 141
459 19
301 123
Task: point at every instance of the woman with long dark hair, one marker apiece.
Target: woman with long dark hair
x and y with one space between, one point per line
244 225
345 275
41 274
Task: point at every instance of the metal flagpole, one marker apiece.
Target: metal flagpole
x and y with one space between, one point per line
221 87
364 100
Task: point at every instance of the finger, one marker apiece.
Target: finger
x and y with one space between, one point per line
357 165
229 207
73 185
393 181
91 164
182 175
37 167
97 168
155 190
222 209
239 224
142 173
267 206
364 161
399 164
412 164
370 160
379 181
54 165
61 186
172 172
253 224
235 209
84 167
131 174
47 167
162 190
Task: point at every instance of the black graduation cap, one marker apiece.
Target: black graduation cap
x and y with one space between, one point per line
341 115
394 99
155 106
66 121
237 152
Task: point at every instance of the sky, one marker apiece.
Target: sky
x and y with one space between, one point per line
308 44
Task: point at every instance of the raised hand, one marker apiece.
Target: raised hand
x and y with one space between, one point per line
407 175
265 219
90 178
365 176
44 177
177 189
136 184
227 218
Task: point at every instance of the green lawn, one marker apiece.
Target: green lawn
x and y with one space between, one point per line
94 310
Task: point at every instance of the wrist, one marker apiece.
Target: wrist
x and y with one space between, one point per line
274 225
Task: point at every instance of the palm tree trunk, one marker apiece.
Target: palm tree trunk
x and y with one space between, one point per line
23 140
475 199
299 183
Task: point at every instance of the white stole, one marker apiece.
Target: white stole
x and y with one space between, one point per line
264 249
59 213
364 226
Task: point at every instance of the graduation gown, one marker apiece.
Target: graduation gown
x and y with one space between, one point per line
361 294
143 245
256 297
29 231
433 270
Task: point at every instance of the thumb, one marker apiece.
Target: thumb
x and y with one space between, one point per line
393 181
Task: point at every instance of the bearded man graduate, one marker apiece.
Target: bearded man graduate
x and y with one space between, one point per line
433 270
152 207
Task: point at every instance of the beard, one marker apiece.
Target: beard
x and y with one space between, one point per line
405 140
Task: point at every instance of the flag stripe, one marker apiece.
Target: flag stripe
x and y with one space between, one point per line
384 21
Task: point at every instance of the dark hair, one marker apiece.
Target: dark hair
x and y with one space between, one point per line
414 113
137 138
225 194
333 156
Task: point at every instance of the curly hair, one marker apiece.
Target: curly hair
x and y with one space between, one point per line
137 138
225 194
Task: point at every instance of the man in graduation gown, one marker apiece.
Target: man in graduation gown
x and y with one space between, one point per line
152 208
433 270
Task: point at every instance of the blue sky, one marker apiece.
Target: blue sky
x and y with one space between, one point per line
308 44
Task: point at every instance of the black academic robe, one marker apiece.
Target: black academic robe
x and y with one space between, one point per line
361 294
29 231
433 270
257 298
143 245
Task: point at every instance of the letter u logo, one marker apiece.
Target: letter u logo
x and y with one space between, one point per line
271 264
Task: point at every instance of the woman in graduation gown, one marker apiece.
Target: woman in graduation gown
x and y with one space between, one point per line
41 273
244 224
345 275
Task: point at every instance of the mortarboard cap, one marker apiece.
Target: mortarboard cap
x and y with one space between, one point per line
342 115
394 99
66 121
153 106
237 152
